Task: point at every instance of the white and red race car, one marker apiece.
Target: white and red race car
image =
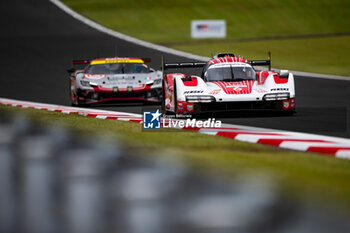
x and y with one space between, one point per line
227 83
113 80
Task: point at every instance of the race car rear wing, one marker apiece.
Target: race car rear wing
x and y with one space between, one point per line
77 63
175 65
201 64
80 62
183 65
262 62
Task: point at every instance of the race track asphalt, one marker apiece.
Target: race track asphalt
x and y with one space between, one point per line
39 41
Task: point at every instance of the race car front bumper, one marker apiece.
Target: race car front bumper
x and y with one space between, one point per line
92 97
184 107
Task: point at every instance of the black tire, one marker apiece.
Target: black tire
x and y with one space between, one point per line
163 99
175 98
72 103
77 103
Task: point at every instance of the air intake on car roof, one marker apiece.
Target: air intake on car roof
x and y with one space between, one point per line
224 55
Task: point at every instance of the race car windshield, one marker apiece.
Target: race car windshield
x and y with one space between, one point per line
117 68
129 68
230 74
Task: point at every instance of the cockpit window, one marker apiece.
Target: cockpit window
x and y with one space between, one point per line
117 68
230 74
135 68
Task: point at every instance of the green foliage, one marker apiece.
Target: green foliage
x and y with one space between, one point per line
164 21
326 55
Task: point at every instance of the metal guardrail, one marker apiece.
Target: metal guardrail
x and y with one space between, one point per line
52 180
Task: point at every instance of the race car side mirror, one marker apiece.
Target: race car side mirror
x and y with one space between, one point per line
71 70
284 73
152 70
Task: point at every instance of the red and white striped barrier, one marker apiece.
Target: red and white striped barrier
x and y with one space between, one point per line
334 146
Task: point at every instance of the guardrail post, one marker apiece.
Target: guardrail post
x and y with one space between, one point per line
38 184
7 186
84 199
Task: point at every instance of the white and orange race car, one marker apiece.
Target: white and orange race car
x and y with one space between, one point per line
113 80
227 83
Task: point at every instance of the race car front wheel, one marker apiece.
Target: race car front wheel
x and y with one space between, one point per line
175 98
163 99
75 100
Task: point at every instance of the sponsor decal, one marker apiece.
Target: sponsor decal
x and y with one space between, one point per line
190 107
243 87
151 120
192 92
286 104
214 92
234 85
203 27
292 103
208 29
95 76
280 89
238 89
260 90
113 60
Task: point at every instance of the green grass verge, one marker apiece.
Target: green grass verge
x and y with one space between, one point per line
166 22
308 176
326 55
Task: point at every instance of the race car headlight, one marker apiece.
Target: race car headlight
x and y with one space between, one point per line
157 81
85 83
200 99
150 82
276 96
93 84
154 82
88 83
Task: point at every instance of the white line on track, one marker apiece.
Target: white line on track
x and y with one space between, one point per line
334 146
119 35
